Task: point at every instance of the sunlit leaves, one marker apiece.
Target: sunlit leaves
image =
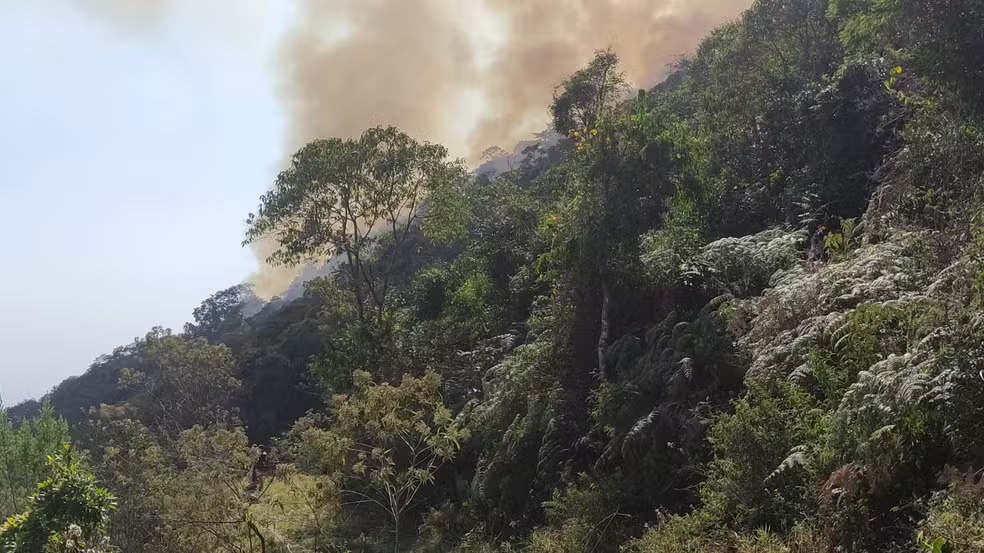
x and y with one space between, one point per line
384 443
346 197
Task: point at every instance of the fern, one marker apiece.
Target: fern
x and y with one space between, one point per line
738 266
893 403
799 457
806 308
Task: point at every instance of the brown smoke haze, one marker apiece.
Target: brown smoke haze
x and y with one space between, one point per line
550 39
401 62
467 73
416 63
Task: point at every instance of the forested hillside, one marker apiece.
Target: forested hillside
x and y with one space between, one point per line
742 311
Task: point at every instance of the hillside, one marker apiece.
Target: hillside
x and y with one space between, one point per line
742 311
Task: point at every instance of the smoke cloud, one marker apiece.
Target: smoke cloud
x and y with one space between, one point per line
375 62
469 74
550 39
472 76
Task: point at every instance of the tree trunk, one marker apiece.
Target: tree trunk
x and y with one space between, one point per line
354 269
603 334
259 535
396 533
580 349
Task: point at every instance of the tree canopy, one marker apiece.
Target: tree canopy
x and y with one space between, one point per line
345 197
739 311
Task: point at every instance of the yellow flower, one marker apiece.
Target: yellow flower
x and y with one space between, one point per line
576 134
594 132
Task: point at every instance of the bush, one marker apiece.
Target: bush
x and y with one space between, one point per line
693 533
69 512
764 457
583 517
957 514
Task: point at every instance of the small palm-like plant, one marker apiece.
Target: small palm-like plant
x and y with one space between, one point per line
839 244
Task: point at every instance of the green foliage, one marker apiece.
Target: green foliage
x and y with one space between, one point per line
804 306
867 335
939 545
583 517
220 314
346 197
840 242
23 451
977 252
762 541
940 39
69 512
789 132
940 171
694 533
741 267
385 444
955 521
665 250
197 492
697 533
892 406
588 95
519 434
760 474
648 424
182 382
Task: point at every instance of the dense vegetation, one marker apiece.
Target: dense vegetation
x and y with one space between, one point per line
742 311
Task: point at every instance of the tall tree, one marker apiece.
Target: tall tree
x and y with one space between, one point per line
589 94
344 197
220 313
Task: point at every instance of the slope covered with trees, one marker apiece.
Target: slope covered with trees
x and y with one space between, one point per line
741 311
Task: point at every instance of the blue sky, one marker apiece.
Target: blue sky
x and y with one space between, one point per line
128 162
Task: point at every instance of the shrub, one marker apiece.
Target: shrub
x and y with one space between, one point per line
693 533
956 515
761 471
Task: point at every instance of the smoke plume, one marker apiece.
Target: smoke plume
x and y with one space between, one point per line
550 39
475 76
398 62
467 73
